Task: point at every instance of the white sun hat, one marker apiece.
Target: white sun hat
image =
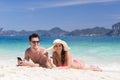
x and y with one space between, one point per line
56 41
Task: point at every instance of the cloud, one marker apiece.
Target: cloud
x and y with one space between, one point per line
39 5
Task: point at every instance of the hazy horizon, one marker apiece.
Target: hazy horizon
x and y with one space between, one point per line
51 28
65 14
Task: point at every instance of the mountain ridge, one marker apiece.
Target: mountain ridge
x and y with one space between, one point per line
56 31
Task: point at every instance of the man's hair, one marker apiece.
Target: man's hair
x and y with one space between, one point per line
34 35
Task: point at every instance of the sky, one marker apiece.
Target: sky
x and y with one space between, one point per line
66 14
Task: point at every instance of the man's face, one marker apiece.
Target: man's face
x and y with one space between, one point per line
34 43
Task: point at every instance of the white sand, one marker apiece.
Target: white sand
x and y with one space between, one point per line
9 71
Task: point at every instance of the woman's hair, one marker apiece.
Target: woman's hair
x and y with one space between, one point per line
63 55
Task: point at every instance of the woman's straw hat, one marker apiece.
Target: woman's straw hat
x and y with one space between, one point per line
56 41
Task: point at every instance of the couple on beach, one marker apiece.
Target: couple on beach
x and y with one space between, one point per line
61 56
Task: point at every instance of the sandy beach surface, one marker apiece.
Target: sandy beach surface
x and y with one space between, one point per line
9 71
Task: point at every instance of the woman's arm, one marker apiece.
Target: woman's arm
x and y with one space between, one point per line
68 60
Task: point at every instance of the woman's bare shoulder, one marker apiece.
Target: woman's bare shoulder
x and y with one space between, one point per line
68 53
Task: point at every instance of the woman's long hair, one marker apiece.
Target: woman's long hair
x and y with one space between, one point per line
63 55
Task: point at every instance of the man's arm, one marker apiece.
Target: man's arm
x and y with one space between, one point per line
54 59
45 53
26 62
26 55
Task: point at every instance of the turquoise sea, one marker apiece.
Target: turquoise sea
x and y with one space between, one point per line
92 50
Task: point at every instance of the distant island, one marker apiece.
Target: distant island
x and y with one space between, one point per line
96 31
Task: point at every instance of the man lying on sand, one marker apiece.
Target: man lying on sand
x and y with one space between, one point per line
36 53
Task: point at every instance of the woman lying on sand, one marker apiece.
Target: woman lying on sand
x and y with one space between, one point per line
62 57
